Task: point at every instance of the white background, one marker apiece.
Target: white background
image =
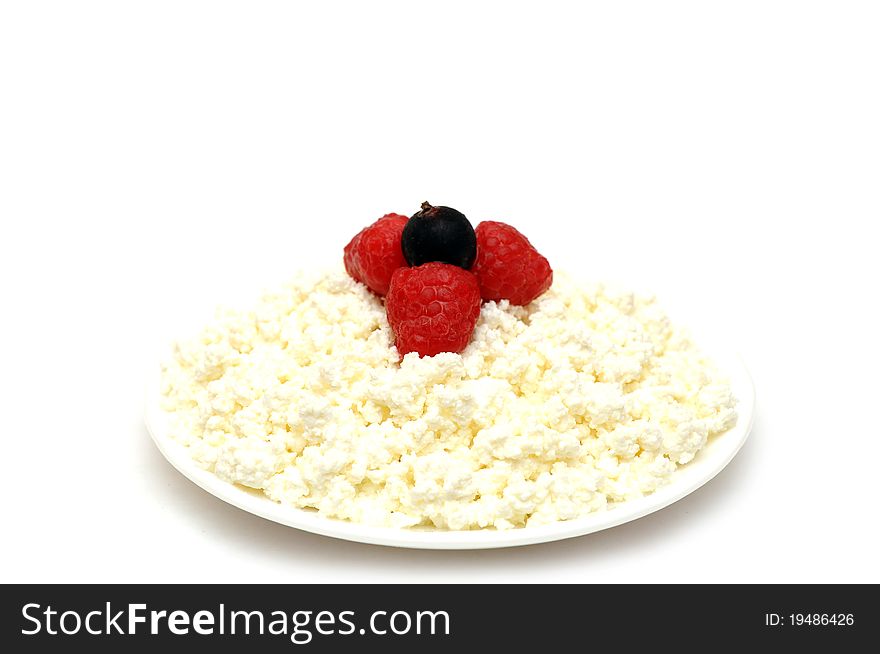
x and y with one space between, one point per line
157 158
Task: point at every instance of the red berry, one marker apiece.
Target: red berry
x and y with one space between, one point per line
375 253
508 267
433 308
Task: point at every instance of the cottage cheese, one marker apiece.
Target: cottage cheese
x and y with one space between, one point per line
584 398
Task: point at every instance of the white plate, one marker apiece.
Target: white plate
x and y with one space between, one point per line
709 462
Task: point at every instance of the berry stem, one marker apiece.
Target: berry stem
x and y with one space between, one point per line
426 205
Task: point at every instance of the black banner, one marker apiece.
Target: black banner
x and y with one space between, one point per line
286 618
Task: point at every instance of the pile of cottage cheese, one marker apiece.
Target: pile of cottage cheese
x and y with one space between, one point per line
584 398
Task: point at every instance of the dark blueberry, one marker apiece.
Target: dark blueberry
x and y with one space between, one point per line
439 234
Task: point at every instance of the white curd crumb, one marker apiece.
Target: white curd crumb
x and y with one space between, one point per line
584 398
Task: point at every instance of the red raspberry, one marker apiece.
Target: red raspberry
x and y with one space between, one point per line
508 267
375 253
433 308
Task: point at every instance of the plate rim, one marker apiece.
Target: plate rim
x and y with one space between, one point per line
708 463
